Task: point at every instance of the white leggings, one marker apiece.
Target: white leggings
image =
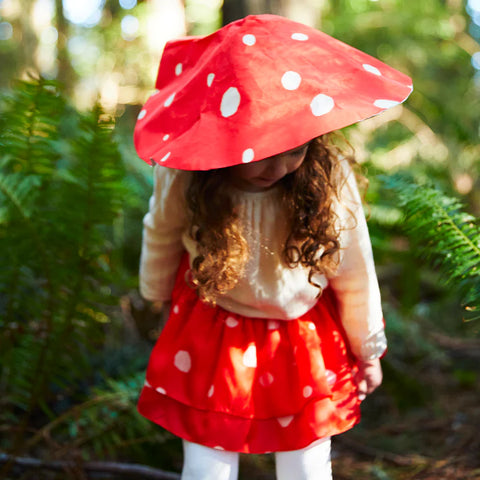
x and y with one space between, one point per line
310 463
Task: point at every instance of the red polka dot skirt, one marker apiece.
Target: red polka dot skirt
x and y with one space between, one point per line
246 384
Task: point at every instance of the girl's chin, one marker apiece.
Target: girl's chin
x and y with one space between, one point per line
265 181
262 184
255 184
255 187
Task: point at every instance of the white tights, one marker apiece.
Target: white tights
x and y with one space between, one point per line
310 463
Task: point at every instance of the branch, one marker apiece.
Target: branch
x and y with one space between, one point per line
122 469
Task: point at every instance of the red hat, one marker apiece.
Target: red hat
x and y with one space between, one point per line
257 87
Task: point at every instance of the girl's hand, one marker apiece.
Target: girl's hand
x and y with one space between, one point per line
368 377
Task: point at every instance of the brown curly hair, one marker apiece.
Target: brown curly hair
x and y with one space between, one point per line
307 195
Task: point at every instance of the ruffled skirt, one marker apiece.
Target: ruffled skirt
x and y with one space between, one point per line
246 384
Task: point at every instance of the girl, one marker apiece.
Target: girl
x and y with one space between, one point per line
256 239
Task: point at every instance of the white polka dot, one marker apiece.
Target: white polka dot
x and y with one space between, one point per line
176 309
311 326
166 137
230 102
248 155
210 391
142 114
165 157
183 361
231 322
382 103
250 357
321 104
266 379
178 69
169 100
161 390
331 377
371 69
146 384
249 39
300 36
273 324
291 80
285 421
307 391
210 78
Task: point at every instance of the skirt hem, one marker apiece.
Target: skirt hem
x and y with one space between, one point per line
319 419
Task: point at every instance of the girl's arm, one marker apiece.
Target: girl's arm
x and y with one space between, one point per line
163 226
356 286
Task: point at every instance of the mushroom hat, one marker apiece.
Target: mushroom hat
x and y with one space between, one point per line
255 88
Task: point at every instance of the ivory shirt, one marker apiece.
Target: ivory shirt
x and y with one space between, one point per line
269 288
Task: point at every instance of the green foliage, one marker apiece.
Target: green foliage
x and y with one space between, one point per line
67 227
105 423
443 233
60 196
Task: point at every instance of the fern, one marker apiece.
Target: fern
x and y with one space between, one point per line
444 234
30 126
19 191
106 422
60 195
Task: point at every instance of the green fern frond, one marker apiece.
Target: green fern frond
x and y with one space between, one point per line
18 190
60 191
442 232
105 422
30 121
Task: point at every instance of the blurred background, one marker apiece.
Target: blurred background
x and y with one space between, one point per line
75 335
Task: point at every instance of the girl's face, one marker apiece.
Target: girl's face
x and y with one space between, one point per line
261 175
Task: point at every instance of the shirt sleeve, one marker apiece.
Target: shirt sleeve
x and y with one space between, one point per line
163 226
355 283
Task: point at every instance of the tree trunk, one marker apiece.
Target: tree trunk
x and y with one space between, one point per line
233 10
66 75
29 39
304 11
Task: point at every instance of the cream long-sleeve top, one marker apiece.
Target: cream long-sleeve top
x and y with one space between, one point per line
269 288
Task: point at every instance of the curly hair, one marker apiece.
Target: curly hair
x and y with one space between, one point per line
308 194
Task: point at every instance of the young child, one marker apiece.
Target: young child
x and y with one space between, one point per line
257 244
